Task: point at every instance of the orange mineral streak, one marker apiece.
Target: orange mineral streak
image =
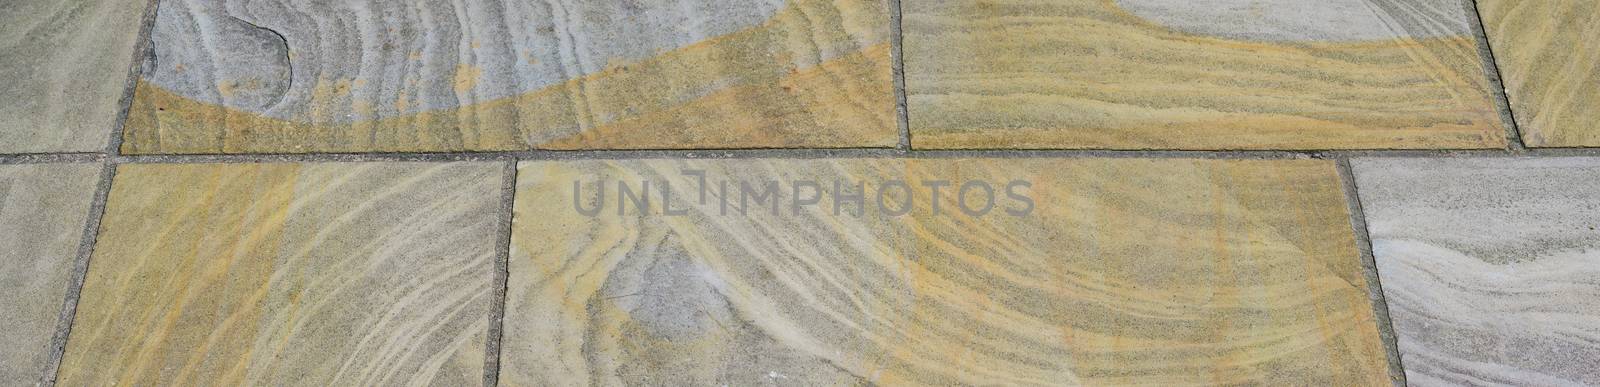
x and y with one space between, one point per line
818 74
238 257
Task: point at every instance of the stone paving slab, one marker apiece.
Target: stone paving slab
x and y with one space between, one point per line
1209 75
1096 271
1551 65
43 212
290 274
1491 266
64 69
495 75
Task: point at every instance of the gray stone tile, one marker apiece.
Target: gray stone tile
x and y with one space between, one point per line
64 69
42 213
1491 266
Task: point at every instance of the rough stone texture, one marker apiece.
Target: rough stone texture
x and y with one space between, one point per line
362 76
64 68
1124 272
1491 267
1294 20
290 274
1547 54
1178 74
43 209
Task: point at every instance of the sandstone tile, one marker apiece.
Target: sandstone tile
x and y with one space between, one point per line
1491 267
64 71
482 75
1180 74
43 209
1122 271
290 274
1551 67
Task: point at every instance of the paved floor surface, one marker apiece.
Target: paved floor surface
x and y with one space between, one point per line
900 192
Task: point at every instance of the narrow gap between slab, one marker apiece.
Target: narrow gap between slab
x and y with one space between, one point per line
898 56
80 271
502 274
1497 86
1369 266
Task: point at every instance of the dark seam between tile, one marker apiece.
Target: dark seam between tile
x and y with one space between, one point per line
142 50
80 270
802 153
108 171
897 55
1369 268
52 158
502 274
1502 102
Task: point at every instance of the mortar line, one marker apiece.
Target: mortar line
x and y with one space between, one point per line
142 50
1497 86
1535 152
838 153
695 154
502 274
97 207
1369 265
52 158
43 158
898 58
80 271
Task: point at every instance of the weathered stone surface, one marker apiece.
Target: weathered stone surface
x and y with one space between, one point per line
43 209
1212 74
1295 20
1491 267
1551 67
64 69
290 274
1122 272
279 76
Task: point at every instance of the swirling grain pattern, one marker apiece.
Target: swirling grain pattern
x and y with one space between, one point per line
424 75
62 72
1547 54
43 209
1491 267
289 274
1123 272
1213 74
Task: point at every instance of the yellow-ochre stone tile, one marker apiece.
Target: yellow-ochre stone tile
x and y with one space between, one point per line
43 210
1025 272
496 75
289 274
63 70
1550 64
1175 74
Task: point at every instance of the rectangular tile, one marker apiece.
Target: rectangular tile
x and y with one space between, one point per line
64 71
1217 74
290 274
1491 267
43 210
490 75
1096 271
1551 67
